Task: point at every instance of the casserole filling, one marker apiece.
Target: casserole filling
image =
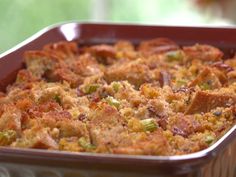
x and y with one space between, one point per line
156 98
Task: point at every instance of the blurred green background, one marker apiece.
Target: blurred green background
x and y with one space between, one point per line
20 19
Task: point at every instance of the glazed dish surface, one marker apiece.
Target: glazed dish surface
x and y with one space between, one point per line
156 98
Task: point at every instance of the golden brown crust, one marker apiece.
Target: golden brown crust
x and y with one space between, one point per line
156 46
205 101
203 52
156 99
207 76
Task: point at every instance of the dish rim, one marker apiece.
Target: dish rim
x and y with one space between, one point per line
206 153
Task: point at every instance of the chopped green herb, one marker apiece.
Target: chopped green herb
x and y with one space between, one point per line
7 137
174 56
149 124
91 88
209 139
205 86
112 101
181 82
57 99
116 86
85 144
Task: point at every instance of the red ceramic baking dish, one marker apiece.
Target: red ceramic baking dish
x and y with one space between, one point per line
219 160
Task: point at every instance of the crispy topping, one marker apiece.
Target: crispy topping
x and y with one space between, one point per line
154 99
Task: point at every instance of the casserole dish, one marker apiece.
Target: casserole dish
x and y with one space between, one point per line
217 160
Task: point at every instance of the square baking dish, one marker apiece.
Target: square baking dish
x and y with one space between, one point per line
219 160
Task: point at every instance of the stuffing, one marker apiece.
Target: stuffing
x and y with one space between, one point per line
154 98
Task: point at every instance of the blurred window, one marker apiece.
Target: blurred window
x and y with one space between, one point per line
20 19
